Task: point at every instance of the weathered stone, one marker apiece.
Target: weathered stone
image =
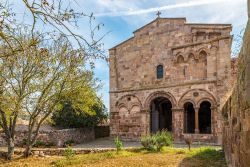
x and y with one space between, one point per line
57 137
195 65
236 129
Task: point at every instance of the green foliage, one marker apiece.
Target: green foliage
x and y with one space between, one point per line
203 156
39 65
69 153
88 159
69 142
118 144
206 153
40 143
149 142
157 141
80 107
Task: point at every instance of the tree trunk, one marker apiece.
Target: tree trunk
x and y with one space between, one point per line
11 147
27 151
30 142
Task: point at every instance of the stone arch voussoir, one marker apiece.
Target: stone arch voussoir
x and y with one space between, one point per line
157 94
189 96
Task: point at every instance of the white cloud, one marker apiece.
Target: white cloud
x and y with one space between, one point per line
155 9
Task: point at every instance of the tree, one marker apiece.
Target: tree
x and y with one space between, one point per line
36 68
80 107
90 112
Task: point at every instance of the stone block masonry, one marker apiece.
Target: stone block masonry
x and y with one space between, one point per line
55 136
236 111
171 75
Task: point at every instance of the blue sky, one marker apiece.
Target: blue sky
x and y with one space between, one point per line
122 17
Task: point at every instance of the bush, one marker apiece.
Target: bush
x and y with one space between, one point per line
69 143
69 153
50 144
149 142
82 108
118 144
40 143
24 142
156 141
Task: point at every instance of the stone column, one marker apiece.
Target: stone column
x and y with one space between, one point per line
196 120
155 119
185 122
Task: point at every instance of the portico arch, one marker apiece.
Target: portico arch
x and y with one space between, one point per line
159 105
154 95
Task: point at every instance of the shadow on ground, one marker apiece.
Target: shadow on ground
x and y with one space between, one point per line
204 158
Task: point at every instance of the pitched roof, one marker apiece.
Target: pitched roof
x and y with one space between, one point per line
180 18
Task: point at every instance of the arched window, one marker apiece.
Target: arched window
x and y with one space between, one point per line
159 71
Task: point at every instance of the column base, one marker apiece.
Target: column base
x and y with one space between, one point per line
196 131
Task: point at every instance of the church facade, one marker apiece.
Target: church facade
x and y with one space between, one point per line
171 75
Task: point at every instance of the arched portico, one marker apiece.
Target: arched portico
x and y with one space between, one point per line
159 105
160 115
198 107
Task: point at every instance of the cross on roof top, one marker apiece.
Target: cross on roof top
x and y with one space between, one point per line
158 14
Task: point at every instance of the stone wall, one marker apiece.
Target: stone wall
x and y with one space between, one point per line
196 68
101 131
236 111
57 137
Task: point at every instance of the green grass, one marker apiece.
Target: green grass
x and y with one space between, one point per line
92 158
168 156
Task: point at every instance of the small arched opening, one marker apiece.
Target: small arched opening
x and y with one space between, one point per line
189 118
205 118
161 114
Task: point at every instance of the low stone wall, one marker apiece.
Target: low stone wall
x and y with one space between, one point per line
56 137
202 138
236 111
60 151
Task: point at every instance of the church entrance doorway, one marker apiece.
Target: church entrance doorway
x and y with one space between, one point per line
161 114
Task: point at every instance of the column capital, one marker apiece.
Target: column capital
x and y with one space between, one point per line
177 109
196 109
145 110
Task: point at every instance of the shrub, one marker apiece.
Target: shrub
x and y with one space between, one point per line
40 143
118 144
24 142
69 143
156 141
149 142
50 144
69 153
83 109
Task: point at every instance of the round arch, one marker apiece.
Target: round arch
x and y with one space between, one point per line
183 102
203 49
157 94
202 95
211 101
123 100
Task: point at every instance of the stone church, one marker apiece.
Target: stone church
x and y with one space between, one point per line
171 75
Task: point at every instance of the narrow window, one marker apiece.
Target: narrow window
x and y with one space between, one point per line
159 71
